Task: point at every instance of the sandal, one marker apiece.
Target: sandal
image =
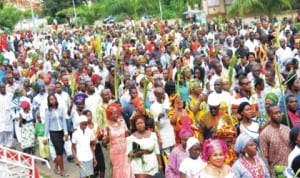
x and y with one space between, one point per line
56 171
64 175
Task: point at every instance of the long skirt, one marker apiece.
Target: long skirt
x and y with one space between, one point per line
27 136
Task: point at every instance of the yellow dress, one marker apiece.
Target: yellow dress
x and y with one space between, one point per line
195 115
181 120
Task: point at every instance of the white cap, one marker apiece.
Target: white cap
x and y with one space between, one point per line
191 142
213 100
82 118
187 50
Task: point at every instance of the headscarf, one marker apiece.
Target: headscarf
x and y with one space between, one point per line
137 101
110 108
172 99
40 85
185 132
193 83
295 131
95 77
210 146
80 97
273 97
190 143
241 142
25 105
185 69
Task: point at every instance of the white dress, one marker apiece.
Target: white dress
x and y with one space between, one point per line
165 128
204 174
192 167
149 164
252 130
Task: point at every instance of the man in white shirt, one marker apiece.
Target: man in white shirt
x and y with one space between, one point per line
217 67
283 52
160 109
224 97
82 148
93 99
251 43
102 71
6 122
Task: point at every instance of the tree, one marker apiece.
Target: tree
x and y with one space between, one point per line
9 16
51 7
269 7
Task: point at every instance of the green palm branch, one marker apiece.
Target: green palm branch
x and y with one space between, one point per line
1 58
232 65
72 84
277 70
145 90
269 7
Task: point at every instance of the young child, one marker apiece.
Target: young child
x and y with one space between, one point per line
39 135
27 129
82 148
99 169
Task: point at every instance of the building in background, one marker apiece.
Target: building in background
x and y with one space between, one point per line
25 4
216 7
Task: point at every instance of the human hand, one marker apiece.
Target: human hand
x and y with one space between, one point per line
66 137
77 162
161 115
138 153
160 142
95 162
160 168
99 134
45 141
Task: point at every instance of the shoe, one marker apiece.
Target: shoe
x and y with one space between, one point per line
56 171
64 175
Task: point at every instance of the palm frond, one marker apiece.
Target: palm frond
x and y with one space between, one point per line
1 58
243 6
232 65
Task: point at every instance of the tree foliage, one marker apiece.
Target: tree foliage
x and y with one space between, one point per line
122 8
9 16
269 7
51 7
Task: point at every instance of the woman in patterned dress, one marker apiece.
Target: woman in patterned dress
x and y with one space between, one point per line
27 128
116 133
249 165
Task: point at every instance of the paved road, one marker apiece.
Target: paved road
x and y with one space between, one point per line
71 169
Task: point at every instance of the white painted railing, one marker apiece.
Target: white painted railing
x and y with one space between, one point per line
17 164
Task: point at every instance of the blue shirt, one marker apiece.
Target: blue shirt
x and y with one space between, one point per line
55 120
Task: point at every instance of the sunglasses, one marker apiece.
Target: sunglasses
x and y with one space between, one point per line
247 83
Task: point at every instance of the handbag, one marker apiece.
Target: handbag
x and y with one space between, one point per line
135 147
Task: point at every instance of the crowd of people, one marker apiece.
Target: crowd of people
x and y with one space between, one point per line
156 99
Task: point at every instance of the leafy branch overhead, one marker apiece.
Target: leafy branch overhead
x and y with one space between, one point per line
269 7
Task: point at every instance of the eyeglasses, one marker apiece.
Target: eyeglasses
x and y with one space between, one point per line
247 83
213 107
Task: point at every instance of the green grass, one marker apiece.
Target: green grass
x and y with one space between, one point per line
43 175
